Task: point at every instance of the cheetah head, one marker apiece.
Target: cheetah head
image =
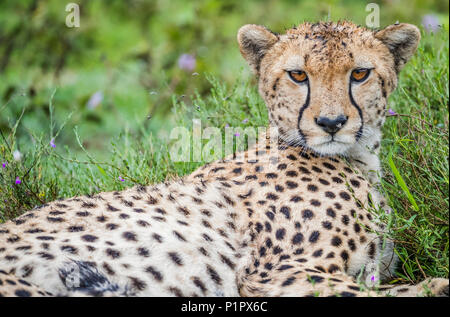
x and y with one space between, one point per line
326 84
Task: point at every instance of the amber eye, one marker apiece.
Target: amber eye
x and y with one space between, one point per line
298 76
360 74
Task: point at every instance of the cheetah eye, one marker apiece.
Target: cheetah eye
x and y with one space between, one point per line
360 74
298 76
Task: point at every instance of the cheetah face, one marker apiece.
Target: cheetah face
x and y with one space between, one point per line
326 84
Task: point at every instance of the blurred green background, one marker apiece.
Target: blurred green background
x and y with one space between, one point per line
128 60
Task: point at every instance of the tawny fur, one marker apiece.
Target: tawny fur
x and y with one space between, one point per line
295 221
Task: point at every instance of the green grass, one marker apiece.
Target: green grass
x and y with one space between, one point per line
414 154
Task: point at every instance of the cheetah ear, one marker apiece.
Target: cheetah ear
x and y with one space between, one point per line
254 42
402 40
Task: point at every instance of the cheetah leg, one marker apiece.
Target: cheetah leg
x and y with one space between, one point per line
304 282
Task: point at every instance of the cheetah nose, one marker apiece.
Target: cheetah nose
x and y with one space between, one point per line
331 126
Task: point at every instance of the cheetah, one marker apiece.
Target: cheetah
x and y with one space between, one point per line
291 216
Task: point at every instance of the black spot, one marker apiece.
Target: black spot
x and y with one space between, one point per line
213 274
307 214
144 252
101 218
14 239
280 234
315 279
34 231
291 173
179 236
55 219
45 238
296 199
316 169
142 223
298 238
111 226
258 227
292 157
69 248
175 258
312 188
199 284
314 236
284 267
89 238
22 293
329 166
351 244
288 281
277 250
330 195
291 185
206 237
237 171
156 274
345 196
286 212
344 255
137 283
304 170
345 219
270 215
262 251
227 261
111 208
372 249
336 241
112 253
46 255
317 253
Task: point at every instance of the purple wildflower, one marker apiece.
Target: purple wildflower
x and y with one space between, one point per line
121 179
237 134
186 62
430 23
95 100
392 112
245 120
374 279
18 181
4 164
52 143
227 125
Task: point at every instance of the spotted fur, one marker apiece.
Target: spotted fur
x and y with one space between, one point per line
292 221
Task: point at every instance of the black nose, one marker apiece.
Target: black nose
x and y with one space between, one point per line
331 125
